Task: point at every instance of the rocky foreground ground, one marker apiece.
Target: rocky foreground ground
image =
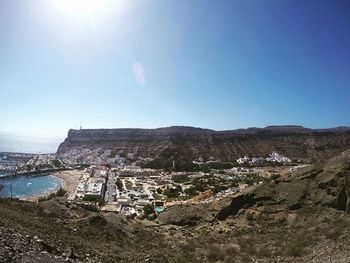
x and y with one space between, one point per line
301 218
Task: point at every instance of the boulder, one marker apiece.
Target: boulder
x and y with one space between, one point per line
185 215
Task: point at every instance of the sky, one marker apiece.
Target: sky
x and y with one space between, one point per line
155 63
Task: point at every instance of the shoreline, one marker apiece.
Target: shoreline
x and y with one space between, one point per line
35 198
68 180
34 173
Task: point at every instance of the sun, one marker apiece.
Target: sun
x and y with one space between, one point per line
81 8
90 10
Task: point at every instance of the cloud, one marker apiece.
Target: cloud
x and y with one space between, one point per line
139 73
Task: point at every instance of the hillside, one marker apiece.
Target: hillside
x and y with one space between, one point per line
187 143
299 218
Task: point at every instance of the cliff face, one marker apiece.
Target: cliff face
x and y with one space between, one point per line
188 143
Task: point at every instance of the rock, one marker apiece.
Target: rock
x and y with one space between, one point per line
46 247
185 215
71 254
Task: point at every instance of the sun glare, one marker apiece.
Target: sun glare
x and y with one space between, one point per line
82 8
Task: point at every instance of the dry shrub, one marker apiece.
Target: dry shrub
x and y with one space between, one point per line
215 253
295 248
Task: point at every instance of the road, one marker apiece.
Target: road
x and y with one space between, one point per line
111 189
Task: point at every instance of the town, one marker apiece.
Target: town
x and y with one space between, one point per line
11 162
119 183
127 188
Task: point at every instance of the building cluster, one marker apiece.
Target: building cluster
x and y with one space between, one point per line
128 188
101 157
124 190
43 163
201 161
11 162
116 182
273 158
93 187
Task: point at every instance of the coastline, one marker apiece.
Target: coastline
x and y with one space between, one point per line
71 180
68 180
35 198
33 173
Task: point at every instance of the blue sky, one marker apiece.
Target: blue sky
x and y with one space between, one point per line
154 63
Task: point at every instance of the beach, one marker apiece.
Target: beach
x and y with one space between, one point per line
71 180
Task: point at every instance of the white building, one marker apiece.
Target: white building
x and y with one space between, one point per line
243 160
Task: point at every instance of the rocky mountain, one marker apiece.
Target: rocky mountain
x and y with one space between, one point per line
188 143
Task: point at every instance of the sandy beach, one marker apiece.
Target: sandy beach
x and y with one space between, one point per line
71 180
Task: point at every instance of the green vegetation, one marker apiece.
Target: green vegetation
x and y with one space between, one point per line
219 188
214 183
186 167
148 209
191 192
60 193
210 182
113 154
180 178
274 177
96 199
119 184
253 179
219 165
56 163
173 192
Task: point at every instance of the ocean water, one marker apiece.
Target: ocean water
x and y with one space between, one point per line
28 144
28 186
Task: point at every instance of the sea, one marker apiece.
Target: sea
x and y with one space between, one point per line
28 186
28 144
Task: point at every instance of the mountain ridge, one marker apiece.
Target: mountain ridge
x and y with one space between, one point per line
184 143
179 128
